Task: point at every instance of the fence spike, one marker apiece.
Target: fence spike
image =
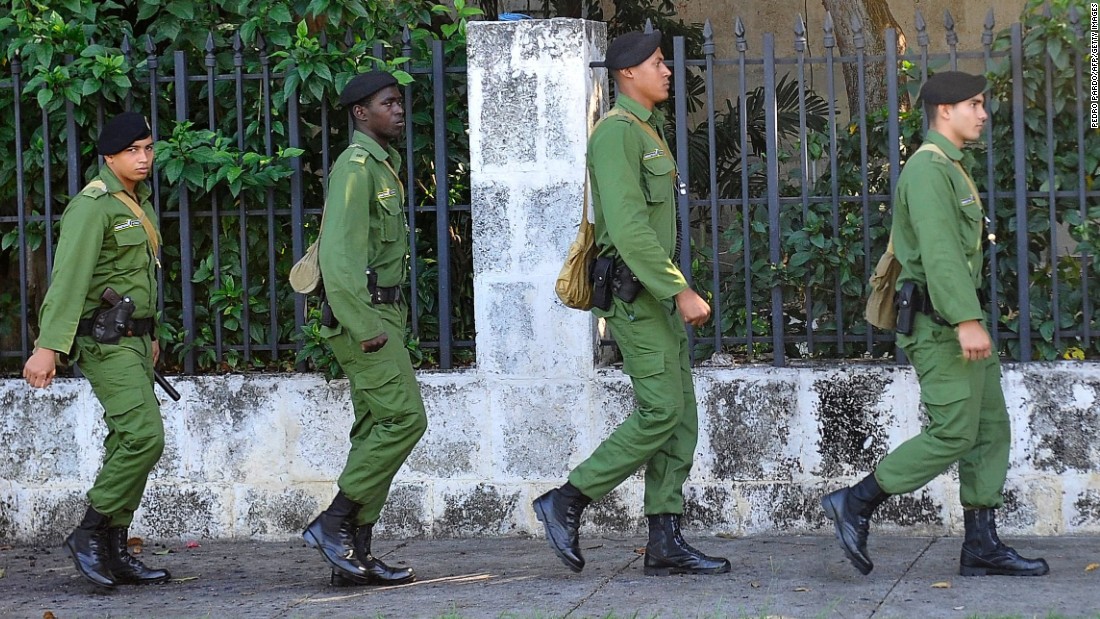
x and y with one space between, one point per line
261 42
800 34
1046 10
922 30
406 37
830 39
149 47
949 23
987 28
322 39
16 63
739 34
349 37
1075 21
237 42
648 25
857 32
708 38
126 47
210 42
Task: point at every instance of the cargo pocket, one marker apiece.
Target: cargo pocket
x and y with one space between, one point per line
644 365
945 392
376 374
122 402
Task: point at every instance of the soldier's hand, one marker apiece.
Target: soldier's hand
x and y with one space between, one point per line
156 353
693 309
40 368
973 340
375 343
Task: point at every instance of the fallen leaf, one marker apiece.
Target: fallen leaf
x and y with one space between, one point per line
192 544
755 584
185 579
2 572
960 607
48 615
727 536
943 584
1092 567
135 545
5 548
640 550
162 552
802 589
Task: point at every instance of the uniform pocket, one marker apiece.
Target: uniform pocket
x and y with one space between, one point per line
644 365
132 252
391 222
122 402
376 374
941 393
658 178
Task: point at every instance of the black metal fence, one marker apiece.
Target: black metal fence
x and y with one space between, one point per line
227 253
789 202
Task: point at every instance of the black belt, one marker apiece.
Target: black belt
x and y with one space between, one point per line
923 304
382 295
138 327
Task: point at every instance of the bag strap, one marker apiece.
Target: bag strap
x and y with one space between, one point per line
123 197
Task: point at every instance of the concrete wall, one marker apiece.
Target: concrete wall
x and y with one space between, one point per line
257 456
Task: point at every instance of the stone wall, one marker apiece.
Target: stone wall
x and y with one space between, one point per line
257 456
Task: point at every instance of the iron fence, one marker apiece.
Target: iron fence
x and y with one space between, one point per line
785 232
226 254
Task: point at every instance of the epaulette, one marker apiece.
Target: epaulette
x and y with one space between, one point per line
359 156
95 189
941 159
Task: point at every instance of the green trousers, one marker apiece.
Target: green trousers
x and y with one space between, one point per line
122 379
967 421
661 432
389 413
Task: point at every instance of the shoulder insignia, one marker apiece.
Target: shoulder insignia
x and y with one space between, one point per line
942 159
95 189
359 156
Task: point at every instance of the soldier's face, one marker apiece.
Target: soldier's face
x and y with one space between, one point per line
134 162
651 78
384 114
967 118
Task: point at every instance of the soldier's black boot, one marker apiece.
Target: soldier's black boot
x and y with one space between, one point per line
850 510
560 513
378 573
88 547
668 553
127 569
332 533
983 553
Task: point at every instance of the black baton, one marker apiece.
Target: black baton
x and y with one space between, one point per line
166 386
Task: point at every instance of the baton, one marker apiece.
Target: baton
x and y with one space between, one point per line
166 386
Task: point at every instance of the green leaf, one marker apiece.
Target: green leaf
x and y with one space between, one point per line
147 9
173 170
90 86
44 97
181 9
280 13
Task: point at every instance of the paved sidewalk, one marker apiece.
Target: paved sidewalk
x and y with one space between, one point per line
521 578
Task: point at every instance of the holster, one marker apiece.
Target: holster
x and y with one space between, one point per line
328 319
906 304
381 295
624 283
603 269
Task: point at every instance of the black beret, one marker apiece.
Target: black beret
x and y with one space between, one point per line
122 131
631 49
364 85
949 87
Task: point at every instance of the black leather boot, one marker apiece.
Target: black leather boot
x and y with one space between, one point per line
378 573
560 512
983 553
850 510
127 569
332 533
668 553
88 547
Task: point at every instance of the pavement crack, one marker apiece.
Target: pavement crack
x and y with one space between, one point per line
606 581
897 581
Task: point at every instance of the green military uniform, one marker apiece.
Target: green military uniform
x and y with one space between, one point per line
365 227
937 235
102 245
633 180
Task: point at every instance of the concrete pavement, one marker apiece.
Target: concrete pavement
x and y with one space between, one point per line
790 576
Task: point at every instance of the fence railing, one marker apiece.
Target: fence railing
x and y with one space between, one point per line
789 202
225 299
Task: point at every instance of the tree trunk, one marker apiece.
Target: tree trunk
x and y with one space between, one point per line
876 17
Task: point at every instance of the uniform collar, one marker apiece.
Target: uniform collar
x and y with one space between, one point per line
114 185
953 152
374 148
633 107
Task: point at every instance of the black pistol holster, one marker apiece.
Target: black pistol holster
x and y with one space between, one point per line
328 319
611 276
381 295
906 304
109 325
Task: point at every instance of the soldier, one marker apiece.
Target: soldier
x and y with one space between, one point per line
937 234
364 248
109 239
634 184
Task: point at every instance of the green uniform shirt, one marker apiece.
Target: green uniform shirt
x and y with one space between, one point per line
938 230
365 226
633 181
101 244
